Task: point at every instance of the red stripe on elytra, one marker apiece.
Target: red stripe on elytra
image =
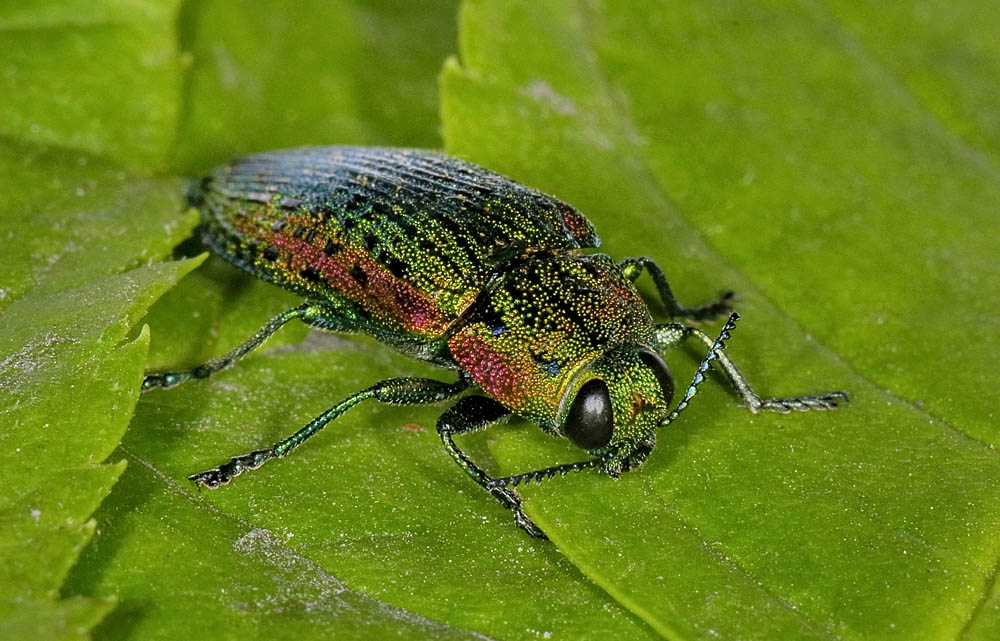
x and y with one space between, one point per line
384 296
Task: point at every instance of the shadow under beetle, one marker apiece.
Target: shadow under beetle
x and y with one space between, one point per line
464 268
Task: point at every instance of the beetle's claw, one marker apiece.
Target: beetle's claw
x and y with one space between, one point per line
211 478
164 380
510 500
832 400
525 523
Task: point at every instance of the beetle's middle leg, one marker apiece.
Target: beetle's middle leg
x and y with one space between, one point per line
316 314
670 335
392 391
633 268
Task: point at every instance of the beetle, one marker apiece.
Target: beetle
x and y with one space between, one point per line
461 267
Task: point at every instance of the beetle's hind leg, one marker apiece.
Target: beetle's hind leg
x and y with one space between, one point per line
310 313
672 334
471 414
633 268
392 391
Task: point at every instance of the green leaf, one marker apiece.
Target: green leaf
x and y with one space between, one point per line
68 218
743 146
766 150
68 387
69 222
59 60
944 54
67 619
226 577
321 72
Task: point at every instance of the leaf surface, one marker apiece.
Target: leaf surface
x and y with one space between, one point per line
61 57
761 149
68 218
834 163
68 385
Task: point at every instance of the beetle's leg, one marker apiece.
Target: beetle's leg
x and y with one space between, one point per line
478 416
672 334
471 414
625 451
392 391
633 267
311 313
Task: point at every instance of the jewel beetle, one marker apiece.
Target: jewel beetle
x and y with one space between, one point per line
459 266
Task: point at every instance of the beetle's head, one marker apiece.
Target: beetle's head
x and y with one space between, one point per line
614 405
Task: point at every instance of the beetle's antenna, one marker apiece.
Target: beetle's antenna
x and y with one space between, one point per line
699 376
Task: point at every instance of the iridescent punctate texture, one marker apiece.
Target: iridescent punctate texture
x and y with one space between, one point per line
462 267
545 319
403 241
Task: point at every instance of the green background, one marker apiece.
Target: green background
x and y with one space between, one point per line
837 164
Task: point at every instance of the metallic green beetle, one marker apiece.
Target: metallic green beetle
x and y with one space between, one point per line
459 266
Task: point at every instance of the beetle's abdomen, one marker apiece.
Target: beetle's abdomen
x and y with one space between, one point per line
406 238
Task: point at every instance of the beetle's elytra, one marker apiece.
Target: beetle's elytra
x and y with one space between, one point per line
464 268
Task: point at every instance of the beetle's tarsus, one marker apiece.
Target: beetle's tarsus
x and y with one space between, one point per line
507 497
709 311
167 380
827 401
671 334
211 478
223 474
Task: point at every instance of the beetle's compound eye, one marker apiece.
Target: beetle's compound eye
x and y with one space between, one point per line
589 424
660 371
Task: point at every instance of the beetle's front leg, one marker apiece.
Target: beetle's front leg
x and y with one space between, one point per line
471 414
670 335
